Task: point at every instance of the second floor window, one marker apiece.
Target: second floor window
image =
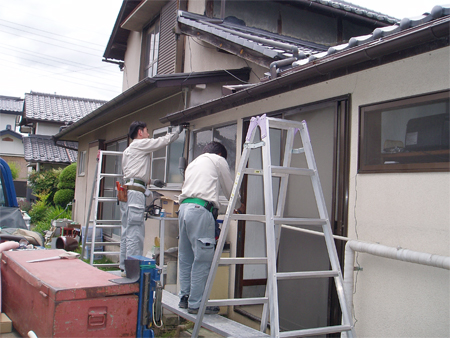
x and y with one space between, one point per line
151 47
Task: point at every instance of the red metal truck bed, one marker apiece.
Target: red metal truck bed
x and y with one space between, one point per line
65 298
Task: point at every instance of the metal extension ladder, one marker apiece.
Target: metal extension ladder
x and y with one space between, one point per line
96 223
273 224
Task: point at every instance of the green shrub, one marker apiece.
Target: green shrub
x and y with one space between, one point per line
63 197
38 210
15 170
46 180
67 177
51 213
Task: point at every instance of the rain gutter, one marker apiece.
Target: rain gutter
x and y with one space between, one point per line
318 69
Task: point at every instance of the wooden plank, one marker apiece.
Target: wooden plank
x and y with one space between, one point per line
216 323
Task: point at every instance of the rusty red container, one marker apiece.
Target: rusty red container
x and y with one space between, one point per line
65 298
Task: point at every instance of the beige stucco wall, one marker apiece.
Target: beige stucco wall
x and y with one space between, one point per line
408 210
132 60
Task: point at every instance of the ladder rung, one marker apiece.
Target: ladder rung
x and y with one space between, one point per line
108 221
103 243
238 301
107 199
106 265
292 171
110 175
106 226
307 274
279 220
243 260
316 331
106 253
300 221
283 124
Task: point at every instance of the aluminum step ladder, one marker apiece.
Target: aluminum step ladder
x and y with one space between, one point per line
92 221
273 222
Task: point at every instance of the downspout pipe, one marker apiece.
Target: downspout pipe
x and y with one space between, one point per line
380 250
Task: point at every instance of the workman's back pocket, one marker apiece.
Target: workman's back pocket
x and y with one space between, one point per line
205 249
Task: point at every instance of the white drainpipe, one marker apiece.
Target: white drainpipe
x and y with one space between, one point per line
388 252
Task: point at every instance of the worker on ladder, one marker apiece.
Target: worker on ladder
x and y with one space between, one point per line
136 174
199 204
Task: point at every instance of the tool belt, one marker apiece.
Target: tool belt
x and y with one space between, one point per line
121 192
207 205
134 180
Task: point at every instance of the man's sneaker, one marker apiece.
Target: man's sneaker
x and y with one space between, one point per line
183 302
210 310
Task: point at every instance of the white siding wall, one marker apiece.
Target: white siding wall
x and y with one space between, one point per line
408 210
43 128
132 61
6 119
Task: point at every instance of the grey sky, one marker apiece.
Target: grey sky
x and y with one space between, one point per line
56 46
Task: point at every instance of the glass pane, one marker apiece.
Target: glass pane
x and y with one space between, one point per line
201 139
227 136
176 150
160 152
158 169
408 132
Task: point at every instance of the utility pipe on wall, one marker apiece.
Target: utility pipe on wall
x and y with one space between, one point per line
388 252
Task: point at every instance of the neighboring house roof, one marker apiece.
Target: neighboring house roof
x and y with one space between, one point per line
117 44
145 93
11 105
41 148
411 36
56 108
10 133
265 46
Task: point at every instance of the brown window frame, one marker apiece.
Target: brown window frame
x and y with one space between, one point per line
368 114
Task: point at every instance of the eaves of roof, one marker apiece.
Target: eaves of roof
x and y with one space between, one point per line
11 105
144 94
11 133
361 53
256 45
42 149
57 109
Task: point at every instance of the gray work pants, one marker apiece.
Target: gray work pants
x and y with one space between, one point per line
133 227
195 250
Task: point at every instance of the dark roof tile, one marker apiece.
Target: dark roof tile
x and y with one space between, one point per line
11 105
57 108
41 148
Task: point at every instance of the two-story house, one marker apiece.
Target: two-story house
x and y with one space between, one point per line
371 89
43 116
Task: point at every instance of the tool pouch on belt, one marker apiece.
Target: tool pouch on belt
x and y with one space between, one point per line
121 192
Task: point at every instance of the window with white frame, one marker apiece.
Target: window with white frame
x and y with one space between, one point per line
165 161
151 47
81 163
227 135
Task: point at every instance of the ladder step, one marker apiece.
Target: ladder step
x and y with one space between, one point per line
238 301
103 243
279 220
107 199
106 265
283 124
243 260
108 221
107 226
307 274
316 331
292 171
110 175
106 253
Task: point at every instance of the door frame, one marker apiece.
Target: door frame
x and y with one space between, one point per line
339 214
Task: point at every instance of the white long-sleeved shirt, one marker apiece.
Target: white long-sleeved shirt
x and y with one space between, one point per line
136 158
203 178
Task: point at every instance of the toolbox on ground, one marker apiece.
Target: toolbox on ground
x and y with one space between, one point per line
65 297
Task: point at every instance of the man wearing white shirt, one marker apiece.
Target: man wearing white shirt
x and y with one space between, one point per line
199 201
136 173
